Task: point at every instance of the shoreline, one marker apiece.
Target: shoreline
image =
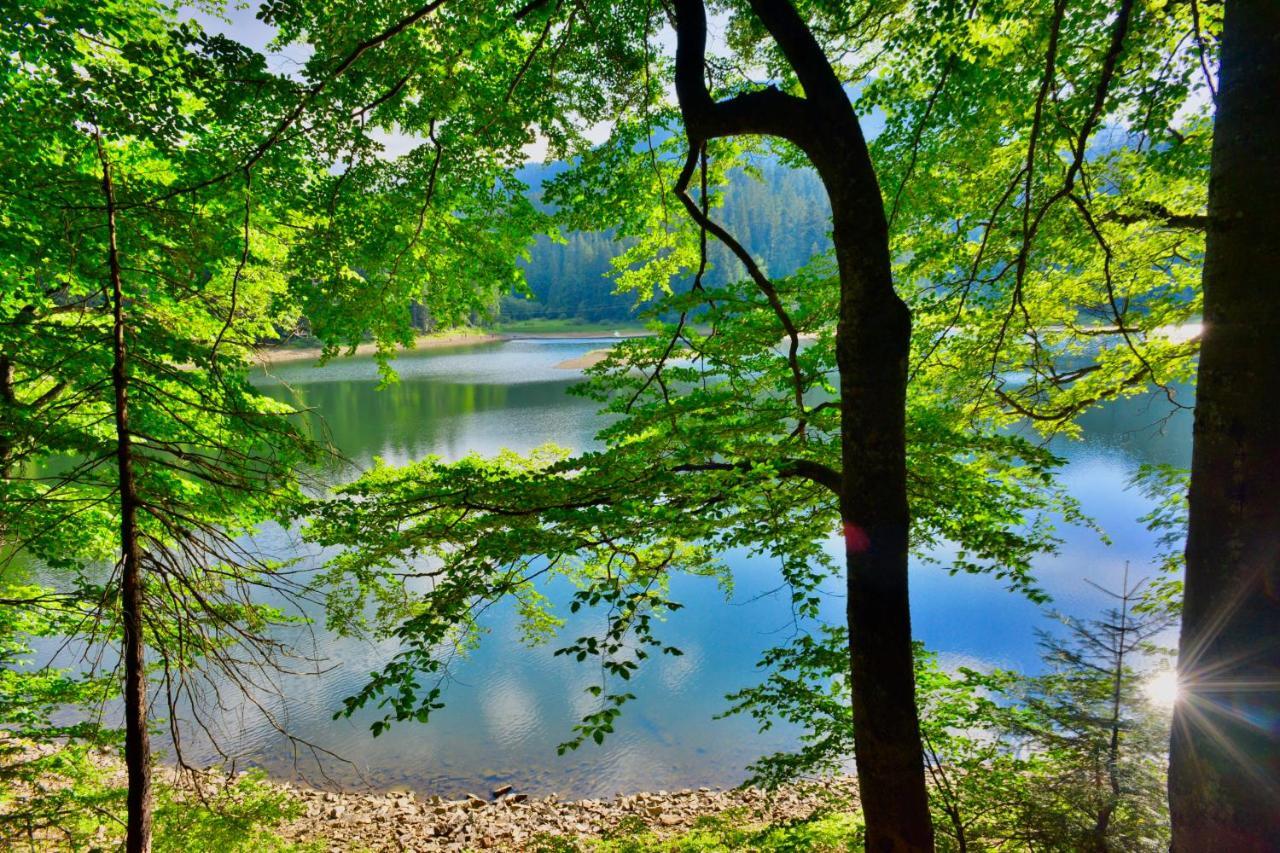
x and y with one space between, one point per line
582 362
269 355
509 821
586 336
505 820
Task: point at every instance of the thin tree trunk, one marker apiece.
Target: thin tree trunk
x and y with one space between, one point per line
1103 822
872 347
9 400
946 794
1224 792
137 748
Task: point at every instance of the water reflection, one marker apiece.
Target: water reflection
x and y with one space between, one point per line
445 402
509 706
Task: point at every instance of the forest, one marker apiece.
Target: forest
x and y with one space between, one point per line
935 507
782 212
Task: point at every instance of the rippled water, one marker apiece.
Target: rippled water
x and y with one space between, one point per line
509 706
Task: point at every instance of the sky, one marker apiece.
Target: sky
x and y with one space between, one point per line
238 21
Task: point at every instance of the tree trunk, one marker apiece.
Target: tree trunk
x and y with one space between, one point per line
1224 774
1115 723
872 347
137 749
872 343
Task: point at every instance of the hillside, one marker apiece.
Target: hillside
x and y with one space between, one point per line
782 219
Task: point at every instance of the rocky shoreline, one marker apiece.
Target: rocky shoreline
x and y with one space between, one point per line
509 821
505 820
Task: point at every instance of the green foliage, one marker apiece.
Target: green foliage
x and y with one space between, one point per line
55 796
703 459
503 557
1031 308
1100 745
572 279
727 832
168 204
51 719
131 94
1043 167
240 817
30 696
73 801
1167 487
58 782
1069 759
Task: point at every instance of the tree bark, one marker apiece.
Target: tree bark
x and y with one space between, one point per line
1224 774
872 348
137 748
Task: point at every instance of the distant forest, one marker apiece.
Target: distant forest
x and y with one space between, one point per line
783 220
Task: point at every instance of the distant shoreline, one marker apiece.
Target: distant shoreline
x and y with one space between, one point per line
436 340
276 354
629 333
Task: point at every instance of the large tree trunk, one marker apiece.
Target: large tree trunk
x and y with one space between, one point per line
1224 774
872 348
872 345
137 748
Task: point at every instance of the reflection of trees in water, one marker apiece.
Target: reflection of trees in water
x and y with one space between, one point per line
420 416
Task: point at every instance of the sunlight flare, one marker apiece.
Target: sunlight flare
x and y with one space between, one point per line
1162 690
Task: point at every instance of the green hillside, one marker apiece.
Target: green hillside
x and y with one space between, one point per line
571 280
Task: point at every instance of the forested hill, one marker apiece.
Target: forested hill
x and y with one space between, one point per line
782 218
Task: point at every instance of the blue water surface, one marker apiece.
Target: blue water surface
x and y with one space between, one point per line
510 705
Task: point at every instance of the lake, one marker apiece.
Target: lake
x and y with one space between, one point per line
509 706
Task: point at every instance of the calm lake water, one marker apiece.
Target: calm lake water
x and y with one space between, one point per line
509 706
